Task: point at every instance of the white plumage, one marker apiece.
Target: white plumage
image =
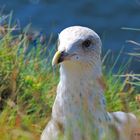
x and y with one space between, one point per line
79 111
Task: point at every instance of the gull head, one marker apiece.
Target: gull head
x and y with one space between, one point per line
78 45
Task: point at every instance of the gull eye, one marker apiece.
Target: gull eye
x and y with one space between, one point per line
86 43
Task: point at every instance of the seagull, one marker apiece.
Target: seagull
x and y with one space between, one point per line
79 110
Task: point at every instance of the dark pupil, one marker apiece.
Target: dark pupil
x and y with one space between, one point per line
86 43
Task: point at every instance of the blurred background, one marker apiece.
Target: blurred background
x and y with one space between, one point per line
107 18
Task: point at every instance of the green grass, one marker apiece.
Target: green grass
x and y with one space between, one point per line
120 93
28 86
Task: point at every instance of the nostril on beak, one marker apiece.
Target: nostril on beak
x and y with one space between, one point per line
62 56
62 53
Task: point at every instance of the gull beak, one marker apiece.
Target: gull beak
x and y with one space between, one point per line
59 57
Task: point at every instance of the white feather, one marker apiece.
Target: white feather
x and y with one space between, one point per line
79 110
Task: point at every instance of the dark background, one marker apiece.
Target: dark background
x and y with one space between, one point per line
105 17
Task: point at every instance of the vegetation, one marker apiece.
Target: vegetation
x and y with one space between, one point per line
28 84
